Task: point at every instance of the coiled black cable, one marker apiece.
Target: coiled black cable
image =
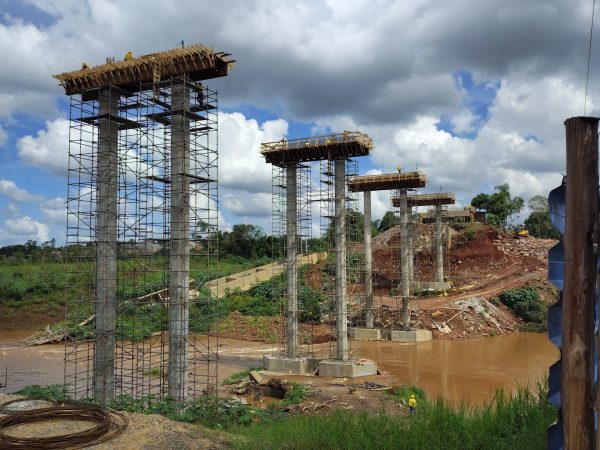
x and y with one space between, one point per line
109 424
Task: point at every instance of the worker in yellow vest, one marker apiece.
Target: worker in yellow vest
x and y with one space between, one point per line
412 404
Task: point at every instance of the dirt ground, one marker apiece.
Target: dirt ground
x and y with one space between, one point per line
480 267
147 432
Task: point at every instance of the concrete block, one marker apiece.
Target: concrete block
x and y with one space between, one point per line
435 285
285 364
365 334
347 369
410 336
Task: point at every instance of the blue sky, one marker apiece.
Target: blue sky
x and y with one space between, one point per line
474 95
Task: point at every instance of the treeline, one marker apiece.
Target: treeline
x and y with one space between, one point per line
31 251
501 207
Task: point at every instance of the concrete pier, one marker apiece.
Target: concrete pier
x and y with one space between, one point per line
291 314
404 261
439 248
106 247
179 261
411 236
368 261
341 319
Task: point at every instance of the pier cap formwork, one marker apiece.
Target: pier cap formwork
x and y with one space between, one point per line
348 144
387 181
438 199
197 62
464 215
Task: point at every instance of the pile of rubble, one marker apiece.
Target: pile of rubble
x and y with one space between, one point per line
525 246
471 317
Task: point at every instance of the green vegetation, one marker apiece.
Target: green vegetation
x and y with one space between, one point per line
471 230
295 394
518 422
239 376
538 223
154 372
499 205
389 220
402 394
527 304
56 392
210 411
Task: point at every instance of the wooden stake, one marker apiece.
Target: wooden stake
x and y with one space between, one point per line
578 295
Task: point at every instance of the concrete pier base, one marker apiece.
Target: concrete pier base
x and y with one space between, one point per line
347 369
365 334
287 364
436 285
410 336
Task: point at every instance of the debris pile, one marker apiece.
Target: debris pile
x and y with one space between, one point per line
525 246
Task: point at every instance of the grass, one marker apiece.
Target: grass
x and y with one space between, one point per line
515 422
210 411
56 392
518 422
154 372
402 394
239 376
295 394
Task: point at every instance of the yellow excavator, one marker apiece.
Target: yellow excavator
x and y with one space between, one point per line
521 232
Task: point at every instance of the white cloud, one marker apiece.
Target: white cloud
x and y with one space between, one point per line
241 166
387 67
49 149
23 229
55 210
11 210
9 189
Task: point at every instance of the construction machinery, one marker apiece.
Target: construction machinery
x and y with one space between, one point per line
521 232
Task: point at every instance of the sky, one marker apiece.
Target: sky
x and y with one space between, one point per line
474 94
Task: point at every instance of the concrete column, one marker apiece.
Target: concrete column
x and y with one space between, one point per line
411 255
179 261
341 319
368 262
106 248
291 323
439 245
404 261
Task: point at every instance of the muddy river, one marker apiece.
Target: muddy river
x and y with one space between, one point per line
466 369
455 369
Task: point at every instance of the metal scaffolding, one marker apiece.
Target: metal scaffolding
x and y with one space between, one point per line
292 231
142 229
339 233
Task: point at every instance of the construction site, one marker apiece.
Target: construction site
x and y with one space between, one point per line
358 313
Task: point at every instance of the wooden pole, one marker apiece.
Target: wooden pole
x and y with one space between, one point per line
578 295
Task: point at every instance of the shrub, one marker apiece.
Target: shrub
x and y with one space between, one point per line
310 304
238 376
527 304
56 392
295 394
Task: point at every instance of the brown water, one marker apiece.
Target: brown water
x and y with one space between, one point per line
469 370
456 369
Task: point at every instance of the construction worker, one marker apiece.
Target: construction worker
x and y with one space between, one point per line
128 56
412 404
200 94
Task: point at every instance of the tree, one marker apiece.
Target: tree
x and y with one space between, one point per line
244 240
389 221
499 205
538 223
